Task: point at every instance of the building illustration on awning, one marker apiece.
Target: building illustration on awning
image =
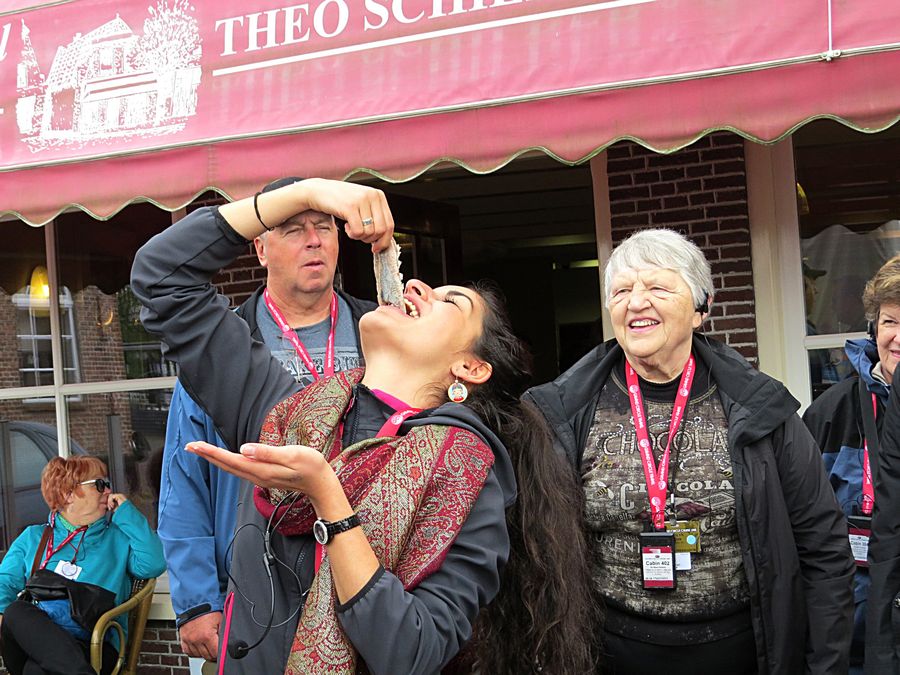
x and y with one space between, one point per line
112 83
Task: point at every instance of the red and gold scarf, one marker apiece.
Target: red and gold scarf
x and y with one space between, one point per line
412 494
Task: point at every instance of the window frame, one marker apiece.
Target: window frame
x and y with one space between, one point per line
66 304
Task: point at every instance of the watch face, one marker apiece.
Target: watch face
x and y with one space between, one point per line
320 532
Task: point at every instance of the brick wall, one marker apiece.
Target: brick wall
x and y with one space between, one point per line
238 281
9 355
701 191
161 651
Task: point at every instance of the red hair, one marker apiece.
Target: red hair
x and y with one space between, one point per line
61 477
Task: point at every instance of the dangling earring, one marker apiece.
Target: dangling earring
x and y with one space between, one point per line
457 392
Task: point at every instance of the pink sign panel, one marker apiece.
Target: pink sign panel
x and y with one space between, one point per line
330 86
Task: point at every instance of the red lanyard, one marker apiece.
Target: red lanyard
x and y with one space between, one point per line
868 488
395 421
291 335
657 486
401 412
53 551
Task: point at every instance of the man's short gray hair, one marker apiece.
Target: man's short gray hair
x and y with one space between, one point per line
666 249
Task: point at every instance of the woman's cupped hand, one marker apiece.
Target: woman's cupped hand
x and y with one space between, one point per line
288 467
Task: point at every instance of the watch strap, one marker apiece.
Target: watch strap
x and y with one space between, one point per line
339 526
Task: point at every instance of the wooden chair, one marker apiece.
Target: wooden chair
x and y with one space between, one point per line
139 601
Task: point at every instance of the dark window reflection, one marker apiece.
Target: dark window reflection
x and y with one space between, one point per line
128 431
24 308
848 201
31 445
95 259
827 367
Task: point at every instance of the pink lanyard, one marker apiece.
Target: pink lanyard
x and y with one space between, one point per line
53 551
868 488
401 412
291 335
657 486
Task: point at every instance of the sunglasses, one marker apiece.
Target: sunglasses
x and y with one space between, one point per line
100 483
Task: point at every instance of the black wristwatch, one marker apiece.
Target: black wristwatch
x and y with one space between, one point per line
324 531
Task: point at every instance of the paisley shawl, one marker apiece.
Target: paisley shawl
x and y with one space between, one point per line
412 493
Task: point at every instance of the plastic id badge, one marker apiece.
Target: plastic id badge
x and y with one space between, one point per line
687 535
68 569
658 560
860 529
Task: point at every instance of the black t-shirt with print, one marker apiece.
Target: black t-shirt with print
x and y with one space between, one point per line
700 472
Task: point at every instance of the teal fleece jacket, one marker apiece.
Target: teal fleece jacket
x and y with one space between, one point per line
111 555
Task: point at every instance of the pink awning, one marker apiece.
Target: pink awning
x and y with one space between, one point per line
107 101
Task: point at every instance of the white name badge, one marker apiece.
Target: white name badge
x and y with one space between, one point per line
859 545
67 569
658 560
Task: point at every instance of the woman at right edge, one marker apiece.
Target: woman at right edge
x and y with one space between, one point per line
738 559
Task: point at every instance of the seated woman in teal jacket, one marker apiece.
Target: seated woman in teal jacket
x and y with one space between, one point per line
84 545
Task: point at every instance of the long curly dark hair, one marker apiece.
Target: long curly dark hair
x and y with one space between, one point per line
545 616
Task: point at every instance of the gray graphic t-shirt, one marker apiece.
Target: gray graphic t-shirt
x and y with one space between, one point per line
314 338
617 505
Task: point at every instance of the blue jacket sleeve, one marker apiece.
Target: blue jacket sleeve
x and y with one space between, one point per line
415 632
145 555
196 511
17 564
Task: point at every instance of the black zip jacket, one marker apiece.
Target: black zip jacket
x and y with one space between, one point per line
883 616
793 536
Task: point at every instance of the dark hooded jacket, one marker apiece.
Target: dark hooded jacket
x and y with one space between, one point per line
793 536
883 615
237 381
835 421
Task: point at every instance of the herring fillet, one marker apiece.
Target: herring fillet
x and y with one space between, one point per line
388 279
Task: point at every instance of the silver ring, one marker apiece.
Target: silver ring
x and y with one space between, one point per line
367 221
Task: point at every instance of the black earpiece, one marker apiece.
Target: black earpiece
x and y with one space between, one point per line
238 649
703 307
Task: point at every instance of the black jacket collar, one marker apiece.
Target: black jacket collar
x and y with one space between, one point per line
755 404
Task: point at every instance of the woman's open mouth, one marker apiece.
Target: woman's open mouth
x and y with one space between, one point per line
410 309
642 324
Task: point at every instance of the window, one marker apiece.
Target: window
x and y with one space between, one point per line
92 383
33 332
848 200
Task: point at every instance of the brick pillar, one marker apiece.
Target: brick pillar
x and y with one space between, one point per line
700 191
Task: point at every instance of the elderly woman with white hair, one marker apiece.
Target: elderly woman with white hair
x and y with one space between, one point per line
718 543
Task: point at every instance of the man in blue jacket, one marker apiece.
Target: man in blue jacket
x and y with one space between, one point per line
312 329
